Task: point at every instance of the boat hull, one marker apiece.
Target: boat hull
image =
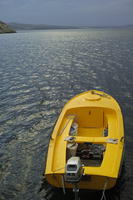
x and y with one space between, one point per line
90 182
100 127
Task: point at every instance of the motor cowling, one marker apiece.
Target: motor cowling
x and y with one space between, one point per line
74 170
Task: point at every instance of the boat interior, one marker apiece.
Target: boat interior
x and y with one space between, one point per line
93 126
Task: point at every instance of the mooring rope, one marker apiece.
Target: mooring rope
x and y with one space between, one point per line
103 193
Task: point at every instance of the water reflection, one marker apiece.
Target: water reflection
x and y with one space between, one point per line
39 72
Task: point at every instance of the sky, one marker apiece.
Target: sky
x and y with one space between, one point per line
68 12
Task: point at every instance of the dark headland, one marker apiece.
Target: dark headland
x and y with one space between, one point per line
4 28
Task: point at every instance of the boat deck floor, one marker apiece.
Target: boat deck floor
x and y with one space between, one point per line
90 162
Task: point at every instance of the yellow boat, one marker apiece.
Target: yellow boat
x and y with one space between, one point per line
87 143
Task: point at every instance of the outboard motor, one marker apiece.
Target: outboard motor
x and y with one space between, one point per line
74 170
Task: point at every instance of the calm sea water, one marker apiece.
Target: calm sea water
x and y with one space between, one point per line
39 72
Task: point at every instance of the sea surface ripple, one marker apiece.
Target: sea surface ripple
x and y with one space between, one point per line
39 72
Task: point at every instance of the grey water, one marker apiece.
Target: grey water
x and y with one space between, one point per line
39 72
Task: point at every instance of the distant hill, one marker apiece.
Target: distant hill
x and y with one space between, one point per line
4 28
19 26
